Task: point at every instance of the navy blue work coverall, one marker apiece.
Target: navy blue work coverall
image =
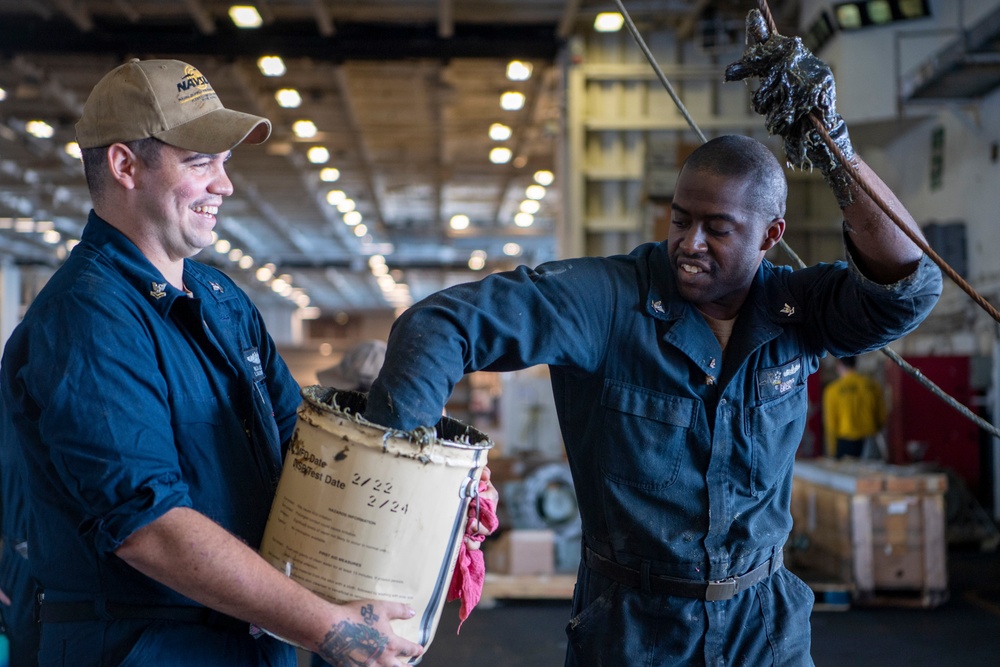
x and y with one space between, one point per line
682 460
15 578
127 399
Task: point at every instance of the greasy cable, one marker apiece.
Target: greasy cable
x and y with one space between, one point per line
907 368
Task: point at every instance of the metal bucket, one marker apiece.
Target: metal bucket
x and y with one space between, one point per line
365 512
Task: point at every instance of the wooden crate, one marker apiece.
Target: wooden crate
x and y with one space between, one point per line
878 528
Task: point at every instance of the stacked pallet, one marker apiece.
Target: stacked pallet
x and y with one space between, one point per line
877 528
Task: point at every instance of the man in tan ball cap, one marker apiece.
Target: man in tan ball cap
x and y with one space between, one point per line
147 410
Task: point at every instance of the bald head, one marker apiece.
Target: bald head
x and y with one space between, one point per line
734 156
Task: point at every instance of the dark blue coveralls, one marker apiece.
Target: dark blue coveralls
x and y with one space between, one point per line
127 399
682 460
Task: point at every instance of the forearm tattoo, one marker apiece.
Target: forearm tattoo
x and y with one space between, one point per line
353 644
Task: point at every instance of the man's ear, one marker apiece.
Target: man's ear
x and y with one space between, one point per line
123 163
772 234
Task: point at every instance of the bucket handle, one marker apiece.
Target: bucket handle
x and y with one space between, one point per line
470 490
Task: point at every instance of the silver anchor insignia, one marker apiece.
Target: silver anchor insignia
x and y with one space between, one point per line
158 291
787 310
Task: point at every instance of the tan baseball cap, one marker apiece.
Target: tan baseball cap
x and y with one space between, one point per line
166 99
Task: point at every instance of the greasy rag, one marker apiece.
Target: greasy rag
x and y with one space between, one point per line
470 570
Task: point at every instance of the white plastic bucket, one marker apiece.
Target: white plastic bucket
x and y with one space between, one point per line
364 512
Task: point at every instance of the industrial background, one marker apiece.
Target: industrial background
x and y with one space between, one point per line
422 143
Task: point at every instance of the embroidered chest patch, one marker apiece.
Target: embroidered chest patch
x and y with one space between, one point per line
778 381
252 357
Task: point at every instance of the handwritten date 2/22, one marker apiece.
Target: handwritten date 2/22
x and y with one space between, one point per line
383 487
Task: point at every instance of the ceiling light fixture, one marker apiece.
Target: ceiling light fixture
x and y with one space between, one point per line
288 98
500 132
512 101
523 219
318 154
511 249
530 206
500 155
304 129
544 177
608 22
459 222
264 273
73 150
334 197
534 192
3 94
360 230
245 16
346 205
518 70
246 261
235 254
39 128
352 218
271 65
222 246
329 174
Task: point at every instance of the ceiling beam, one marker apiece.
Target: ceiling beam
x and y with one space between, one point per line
525 120
201 18
324 22
568 19
353 41
360 147
446 19
77 13
128 11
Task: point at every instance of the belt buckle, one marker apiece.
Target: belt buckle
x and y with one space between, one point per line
723 589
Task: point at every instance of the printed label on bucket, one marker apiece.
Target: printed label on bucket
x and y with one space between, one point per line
362 515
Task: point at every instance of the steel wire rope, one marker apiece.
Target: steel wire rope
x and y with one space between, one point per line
909 369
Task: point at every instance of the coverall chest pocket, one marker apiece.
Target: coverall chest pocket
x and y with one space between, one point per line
645 434
775 431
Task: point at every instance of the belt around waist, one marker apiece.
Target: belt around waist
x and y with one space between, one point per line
75 612
711 591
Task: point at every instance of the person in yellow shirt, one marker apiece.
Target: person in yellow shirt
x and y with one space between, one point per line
853 410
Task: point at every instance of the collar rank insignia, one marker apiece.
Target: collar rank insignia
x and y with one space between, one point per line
217 287
158 291
787 310
658 306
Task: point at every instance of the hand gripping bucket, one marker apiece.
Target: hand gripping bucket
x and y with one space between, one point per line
365 512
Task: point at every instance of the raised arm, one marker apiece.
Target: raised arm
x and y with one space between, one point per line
796 89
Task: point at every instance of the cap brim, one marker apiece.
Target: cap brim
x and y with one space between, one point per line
218 131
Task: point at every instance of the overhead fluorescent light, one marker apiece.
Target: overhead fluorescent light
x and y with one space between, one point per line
512 101
875 13
288 98
518 71
500 155
500 132
271 65
318 154
544 177
608 22
304 129
245 16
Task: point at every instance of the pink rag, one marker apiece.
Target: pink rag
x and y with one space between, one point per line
470 570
